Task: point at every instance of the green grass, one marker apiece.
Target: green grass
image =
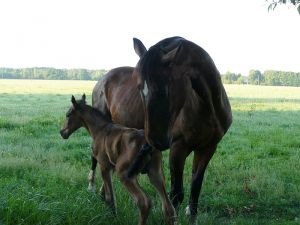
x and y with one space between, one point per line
254 177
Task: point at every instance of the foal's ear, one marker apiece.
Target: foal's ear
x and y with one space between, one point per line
83 98
73 100
75 104
139 47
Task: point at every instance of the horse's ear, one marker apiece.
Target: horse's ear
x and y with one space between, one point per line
83 98
170 56
139 47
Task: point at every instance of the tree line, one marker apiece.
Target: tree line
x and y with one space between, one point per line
47 73
268 77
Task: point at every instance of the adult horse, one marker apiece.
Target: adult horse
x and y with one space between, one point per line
186 108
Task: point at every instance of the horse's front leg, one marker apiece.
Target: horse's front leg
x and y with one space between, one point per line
91 176
200 162
177 157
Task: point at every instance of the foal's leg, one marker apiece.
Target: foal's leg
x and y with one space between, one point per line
177 156
156 177
91 176
106 189
140 198
201 160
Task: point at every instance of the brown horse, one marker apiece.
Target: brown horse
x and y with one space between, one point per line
114 148
186 108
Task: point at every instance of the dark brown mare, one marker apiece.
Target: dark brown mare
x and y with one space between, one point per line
114 148
197 112
186 108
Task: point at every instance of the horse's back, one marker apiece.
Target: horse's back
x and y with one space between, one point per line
116 95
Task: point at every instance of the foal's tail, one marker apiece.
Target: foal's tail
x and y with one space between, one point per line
140 161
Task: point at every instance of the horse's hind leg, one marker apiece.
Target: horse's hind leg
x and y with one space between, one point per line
201 160
106 189
91 176
156 177
177 157
140 198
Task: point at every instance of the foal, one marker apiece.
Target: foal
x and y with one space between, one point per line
114 148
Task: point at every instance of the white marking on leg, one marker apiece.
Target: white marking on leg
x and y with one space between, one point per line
91 179
187 211
91 176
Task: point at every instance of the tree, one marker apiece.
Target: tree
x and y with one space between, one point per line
274 3
230 78
83 75
240 80
255 77
96 74
281 78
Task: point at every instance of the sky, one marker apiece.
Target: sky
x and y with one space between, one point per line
239 35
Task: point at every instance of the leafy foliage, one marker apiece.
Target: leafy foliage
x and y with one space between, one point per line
232 78
280 78
273 4
255 77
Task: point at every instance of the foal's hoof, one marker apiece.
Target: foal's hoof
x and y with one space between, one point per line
192 218
188 211
91 188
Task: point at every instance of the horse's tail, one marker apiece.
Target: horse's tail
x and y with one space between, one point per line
140 161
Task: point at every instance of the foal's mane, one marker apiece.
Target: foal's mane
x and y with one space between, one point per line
97 113
83 106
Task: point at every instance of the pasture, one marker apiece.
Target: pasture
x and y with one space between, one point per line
253 178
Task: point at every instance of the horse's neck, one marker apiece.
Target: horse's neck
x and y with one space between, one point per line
93 122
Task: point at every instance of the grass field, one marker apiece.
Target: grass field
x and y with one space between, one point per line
254 177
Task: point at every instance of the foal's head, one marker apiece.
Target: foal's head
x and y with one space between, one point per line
73 119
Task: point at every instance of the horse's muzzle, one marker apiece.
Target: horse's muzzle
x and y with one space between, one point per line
64 133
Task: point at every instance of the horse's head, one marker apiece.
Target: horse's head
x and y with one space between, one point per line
73 120
161 89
